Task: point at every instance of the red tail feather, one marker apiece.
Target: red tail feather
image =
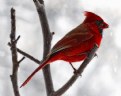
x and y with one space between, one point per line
29 78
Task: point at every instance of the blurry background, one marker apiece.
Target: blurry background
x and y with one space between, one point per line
103 75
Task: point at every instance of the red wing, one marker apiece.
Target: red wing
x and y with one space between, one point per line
73 38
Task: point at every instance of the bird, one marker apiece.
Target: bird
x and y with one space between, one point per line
76 44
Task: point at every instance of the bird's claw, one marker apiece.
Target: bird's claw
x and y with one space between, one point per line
76 72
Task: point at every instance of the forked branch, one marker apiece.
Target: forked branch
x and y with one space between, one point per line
14 76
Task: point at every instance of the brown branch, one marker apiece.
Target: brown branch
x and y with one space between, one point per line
75 76
47 36
14 76
21 60
26 55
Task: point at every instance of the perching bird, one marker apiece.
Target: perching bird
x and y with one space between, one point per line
77 43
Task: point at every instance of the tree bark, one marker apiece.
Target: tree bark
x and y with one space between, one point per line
14 76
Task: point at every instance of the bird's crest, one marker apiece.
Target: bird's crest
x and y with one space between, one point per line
90 16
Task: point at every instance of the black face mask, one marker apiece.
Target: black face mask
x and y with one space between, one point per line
99 23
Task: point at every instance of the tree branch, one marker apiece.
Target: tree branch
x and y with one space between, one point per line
47 36
79 72
14 76
26 55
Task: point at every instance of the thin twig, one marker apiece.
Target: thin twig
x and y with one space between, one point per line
14 76
27 55
52 33
21 60
17 38
47 36
75 76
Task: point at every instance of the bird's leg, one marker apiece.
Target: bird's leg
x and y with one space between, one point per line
75 70
73 67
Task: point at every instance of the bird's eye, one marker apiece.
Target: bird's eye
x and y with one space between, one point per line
99 23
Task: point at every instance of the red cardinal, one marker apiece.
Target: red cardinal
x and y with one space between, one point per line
76 44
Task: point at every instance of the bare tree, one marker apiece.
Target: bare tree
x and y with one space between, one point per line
47 35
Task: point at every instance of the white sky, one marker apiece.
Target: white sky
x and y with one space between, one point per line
101 78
